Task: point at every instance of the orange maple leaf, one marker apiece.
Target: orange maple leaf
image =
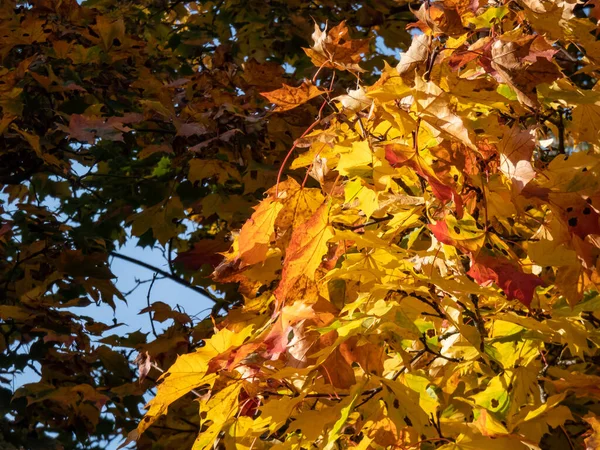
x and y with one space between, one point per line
289 97
256 233
306 250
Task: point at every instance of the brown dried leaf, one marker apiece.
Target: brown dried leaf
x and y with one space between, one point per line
289 97
335 49
416 54
144 364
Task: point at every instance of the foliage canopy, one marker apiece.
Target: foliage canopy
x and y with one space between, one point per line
400 256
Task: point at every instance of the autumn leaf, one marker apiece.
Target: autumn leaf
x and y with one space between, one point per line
305 251
300 203
515 283
355 100
463 234
588 115
346 408
337 371
398 156
592 440
367 356
335 49
205 251
159 218
110 30
415 55
279 411
190 372
443 18
88 129
433 105
357 161
522 66
152 149
219 410
516 149
362 196
289 97
201 169
488 425
144 365
256 234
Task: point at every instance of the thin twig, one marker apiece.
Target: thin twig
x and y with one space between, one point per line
432 304
571 446
428 349
479 321
289 154
437 424
138 283
171 277
373 392
149 304
366 224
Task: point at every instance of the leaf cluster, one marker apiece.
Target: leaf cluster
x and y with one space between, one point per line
135 122
426 275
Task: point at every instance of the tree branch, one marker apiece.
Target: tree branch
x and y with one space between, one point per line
171 277
373 392
362 225
428 349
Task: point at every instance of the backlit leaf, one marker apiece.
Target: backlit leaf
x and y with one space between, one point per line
289 97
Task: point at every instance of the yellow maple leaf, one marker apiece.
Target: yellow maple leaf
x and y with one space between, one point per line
201 169
190 372
219 410
299 204
433 106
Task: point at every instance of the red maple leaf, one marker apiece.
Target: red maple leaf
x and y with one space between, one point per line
398 158
205 251
515 283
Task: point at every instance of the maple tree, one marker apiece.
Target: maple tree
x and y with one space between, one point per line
133 121
399 256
